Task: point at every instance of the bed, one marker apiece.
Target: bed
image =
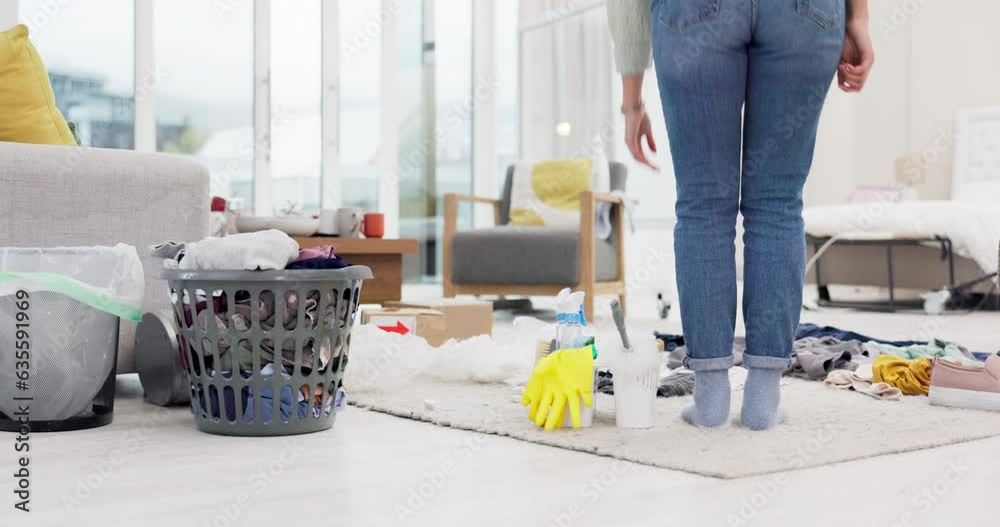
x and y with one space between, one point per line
904 248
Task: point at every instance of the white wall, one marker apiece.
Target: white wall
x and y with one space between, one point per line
8 14
956 57
931 59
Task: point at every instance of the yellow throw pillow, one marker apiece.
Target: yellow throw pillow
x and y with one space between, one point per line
547 193
28 112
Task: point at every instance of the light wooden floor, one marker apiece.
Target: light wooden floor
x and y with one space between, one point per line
151 468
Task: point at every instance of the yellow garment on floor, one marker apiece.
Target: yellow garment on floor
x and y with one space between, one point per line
912 377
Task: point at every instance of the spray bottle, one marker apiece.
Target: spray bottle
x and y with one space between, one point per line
570 320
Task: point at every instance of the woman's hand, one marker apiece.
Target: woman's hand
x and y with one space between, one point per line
637 124
637 127
857 58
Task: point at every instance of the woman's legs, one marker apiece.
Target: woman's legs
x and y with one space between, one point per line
794 53
711 56
700 52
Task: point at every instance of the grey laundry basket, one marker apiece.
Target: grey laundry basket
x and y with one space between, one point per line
227 360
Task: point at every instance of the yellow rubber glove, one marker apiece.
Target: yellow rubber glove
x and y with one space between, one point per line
561 378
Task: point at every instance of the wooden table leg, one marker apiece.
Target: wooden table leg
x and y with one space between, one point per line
388 271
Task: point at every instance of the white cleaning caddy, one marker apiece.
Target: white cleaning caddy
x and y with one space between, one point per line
636 379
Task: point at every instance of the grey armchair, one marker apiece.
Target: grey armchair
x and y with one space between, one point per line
517 260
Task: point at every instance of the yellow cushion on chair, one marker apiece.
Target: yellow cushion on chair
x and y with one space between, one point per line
28 112
547 193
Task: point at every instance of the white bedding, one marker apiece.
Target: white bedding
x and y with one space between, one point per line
974 229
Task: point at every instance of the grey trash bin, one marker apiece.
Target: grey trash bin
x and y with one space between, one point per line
59 323
265 351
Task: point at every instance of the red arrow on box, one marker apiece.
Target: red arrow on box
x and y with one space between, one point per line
398 328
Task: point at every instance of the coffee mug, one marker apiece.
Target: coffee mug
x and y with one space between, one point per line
328 222
374 225
349 222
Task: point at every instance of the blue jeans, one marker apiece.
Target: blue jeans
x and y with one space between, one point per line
742 84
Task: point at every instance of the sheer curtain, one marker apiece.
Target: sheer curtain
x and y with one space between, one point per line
569 96
567 71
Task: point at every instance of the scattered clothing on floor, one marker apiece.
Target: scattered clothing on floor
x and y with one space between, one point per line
812 357
911 376
815 357
253 251
605 384
936 349
860 380
670 342
676 385
812 330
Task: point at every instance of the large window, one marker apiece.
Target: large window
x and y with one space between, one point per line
436 136
296 85
506 138
360 104
212 121
298 105
91 70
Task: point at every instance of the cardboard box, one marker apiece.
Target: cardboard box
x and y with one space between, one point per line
426 323
463 318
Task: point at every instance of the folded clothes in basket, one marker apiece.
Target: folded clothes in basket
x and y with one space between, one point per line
263 250
321 257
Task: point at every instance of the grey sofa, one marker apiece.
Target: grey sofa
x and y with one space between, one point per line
516 260
70 196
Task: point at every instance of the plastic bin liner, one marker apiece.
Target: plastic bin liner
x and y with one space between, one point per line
77 295
106 278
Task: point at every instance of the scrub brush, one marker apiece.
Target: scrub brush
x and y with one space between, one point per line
619 318
543 348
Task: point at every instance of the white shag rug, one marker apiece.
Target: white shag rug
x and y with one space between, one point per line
825 426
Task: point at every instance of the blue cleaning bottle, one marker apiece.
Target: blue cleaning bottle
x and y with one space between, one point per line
570 320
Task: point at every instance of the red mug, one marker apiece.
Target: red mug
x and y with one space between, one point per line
374 225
